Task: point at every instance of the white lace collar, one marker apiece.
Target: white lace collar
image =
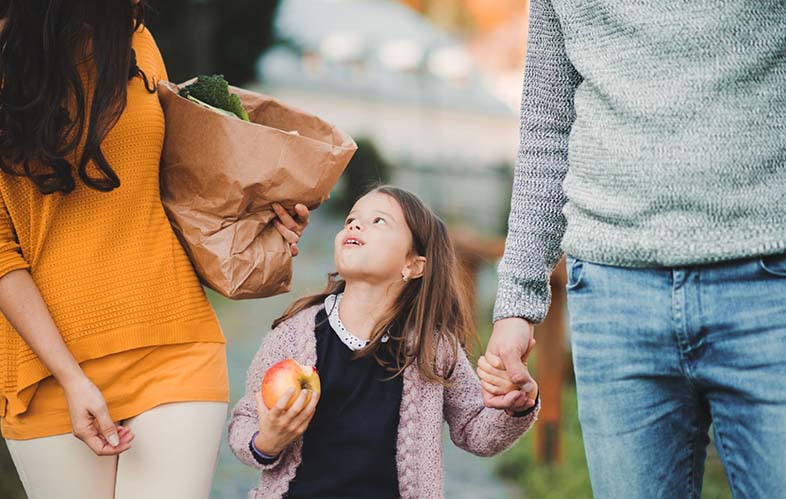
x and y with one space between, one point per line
350 340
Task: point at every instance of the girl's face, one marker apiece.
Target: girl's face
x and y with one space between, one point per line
375 243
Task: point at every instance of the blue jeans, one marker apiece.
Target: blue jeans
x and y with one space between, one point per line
662 353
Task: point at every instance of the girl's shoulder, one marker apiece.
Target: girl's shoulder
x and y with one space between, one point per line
302 318
293 327
293 338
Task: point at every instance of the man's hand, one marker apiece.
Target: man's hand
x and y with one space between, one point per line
511 340
495 380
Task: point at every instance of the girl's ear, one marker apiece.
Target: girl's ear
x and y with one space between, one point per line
415 267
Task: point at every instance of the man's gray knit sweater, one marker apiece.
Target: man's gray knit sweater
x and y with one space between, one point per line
653 133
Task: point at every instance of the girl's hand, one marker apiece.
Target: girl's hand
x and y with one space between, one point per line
495 380
290 228
279 427
90 420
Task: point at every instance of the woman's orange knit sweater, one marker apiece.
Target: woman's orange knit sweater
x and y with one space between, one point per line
118 284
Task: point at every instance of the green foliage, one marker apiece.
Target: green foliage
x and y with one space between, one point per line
569 479
366 169
10 486
244 30
212 36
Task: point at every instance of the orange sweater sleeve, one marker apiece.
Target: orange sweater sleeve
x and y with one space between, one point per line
10 253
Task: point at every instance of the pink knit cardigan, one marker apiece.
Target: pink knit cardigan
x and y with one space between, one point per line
473 427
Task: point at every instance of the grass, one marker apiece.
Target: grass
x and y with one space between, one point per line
568 479
10 486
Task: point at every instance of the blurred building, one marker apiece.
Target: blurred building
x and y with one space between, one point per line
495 33
469 15
380 70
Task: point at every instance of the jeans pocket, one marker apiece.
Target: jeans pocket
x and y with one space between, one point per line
774 264
575 268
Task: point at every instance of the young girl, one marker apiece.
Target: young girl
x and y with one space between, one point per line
388 342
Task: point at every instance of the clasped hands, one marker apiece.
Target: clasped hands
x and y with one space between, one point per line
504 376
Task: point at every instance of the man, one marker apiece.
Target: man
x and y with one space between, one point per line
653 153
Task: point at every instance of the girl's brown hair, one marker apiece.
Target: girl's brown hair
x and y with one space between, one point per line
431 314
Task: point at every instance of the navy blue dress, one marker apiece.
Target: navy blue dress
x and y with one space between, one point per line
349 448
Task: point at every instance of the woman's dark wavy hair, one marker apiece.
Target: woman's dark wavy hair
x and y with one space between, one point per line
44 118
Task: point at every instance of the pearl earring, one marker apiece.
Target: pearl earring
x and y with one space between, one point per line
405 278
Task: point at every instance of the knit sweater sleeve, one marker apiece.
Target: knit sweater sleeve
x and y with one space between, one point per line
474 427
244 422
10 253
536 223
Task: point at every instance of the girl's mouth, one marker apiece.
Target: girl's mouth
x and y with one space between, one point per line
353 241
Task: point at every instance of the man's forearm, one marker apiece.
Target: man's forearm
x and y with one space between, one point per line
536 223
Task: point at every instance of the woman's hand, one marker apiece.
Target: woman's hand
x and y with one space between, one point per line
290 228
22 304
90 420
495 380
279 427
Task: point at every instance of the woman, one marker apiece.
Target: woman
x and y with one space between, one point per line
107 332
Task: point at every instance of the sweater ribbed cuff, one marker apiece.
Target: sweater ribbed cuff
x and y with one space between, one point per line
528 300
527 412
260 456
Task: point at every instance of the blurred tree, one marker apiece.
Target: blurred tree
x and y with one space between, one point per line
366 169
213 36
10 486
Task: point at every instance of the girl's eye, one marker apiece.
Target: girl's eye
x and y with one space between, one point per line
380 219
348 221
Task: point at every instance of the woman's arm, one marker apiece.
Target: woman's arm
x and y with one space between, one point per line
23 306
21 303
473 427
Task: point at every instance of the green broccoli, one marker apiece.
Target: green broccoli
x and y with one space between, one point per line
213 92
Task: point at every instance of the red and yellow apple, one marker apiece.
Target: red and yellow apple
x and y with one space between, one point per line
287 374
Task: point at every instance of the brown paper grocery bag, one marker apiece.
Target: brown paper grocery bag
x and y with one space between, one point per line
220 176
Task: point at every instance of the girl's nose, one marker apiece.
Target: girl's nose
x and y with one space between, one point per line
355 225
